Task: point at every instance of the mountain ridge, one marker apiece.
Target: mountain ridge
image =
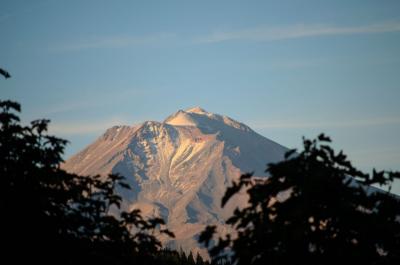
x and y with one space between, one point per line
179 168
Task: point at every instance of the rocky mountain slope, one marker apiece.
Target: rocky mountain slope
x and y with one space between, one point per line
179 168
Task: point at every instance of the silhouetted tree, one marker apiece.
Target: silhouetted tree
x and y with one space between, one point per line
190 259
313 208
5 73
199 260
182 256
51 216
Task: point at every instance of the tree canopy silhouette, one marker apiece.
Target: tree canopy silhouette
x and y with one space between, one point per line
313 208
51 216
5 73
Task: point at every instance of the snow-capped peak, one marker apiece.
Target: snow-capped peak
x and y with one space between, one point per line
181 118
201 118
196 110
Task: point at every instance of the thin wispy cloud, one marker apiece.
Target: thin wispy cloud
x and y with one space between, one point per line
389 156
81 104
114 42
296 64
69 106
329 124
260 34
84 127
274 33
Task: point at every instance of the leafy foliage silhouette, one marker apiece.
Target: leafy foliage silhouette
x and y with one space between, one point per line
5 73
314 208
51 216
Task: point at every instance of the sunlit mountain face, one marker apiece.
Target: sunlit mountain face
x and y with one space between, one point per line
180 168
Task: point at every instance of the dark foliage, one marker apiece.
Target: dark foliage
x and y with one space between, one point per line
314 208
172 257
51 216
5 73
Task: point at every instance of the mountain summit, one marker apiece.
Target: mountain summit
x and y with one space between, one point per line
179 168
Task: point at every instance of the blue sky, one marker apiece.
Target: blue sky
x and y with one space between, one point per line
286 68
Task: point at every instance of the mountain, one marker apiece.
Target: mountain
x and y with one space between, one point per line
180 168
